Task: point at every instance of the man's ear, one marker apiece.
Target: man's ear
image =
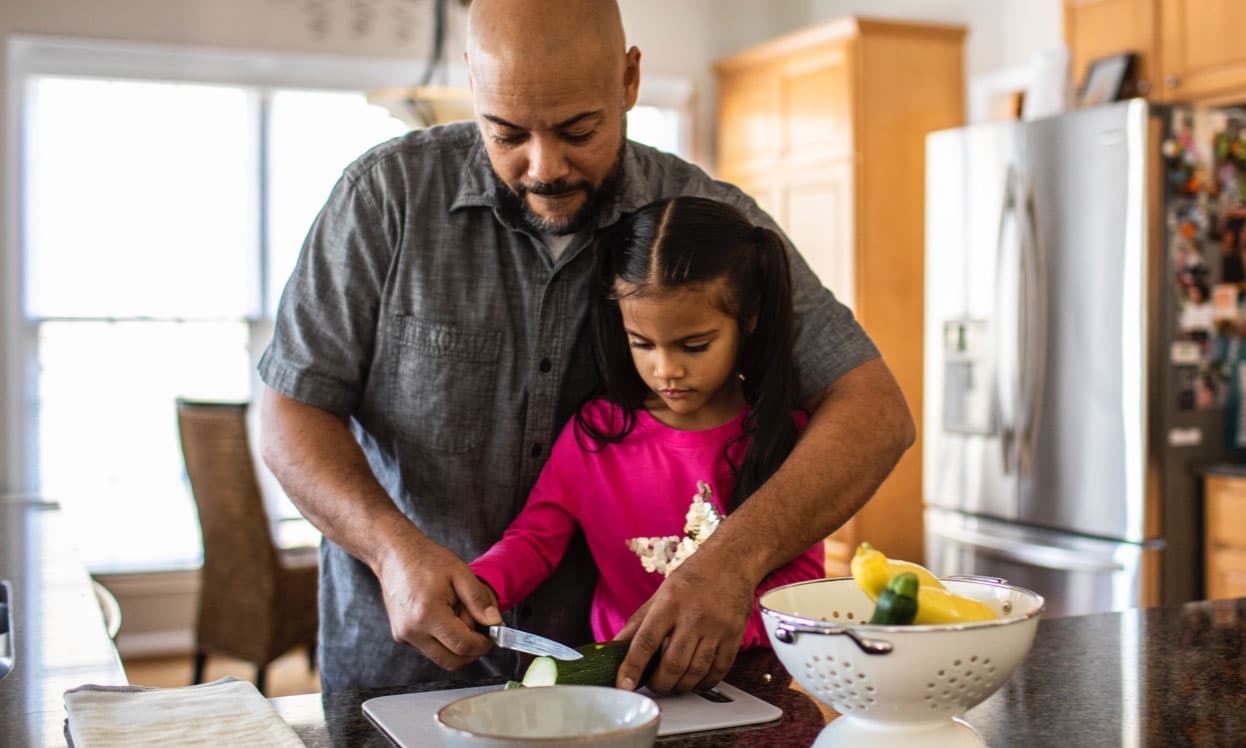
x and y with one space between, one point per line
631 79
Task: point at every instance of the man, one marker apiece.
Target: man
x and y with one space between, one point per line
431 343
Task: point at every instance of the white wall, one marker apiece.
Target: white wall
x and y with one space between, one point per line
1002 33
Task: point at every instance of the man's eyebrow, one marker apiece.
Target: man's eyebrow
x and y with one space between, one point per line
559 126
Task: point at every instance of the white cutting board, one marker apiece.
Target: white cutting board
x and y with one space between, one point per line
409 719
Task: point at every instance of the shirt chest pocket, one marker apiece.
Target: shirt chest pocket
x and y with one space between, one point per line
443 378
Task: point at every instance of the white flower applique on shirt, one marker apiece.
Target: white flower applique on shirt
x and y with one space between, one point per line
665 554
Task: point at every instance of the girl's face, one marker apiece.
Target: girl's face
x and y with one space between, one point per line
685 349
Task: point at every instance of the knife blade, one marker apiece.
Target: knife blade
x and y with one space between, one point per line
524 641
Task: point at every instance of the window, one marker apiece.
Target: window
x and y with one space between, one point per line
147 277
159 219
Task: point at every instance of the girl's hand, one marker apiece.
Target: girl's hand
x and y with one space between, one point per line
695 622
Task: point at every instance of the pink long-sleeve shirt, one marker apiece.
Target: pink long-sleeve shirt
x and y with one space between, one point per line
642 486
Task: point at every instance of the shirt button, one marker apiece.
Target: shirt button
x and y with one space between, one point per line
546 365
536 450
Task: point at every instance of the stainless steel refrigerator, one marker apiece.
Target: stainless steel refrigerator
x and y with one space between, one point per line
1062 433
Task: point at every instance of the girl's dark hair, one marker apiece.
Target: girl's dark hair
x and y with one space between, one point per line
691 240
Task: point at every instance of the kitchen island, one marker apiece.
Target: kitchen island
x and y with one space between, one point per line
1158 676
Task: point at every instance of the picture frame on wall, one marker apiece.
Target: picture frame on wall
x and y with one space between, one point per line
1107 79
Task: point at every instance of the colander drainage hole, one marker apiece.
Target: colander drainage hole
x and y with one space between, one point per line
973 659
941 673
956 663
861 675
850 615
870 689
986 660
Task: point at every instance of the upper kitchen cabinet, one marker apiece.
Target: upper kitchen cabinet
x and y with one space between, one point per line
1187 49
826 129
1100 28
1201 52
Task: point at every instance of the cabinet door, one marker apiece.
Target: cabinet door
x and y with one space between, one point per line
1203 57
749 127
815 101
817 214
1098 28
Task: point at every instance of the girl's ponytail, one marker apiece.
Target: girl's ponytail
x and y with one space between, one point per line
770 384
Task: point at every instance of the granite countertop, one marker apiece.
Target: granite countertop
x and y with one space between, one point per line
1157 676
1160 676
58 629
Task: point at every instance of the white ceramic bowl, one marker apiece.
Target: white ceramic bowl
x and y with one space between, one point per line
551 716
927 676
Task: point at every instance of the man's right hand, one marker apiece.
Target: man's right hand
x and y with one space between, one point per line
434 603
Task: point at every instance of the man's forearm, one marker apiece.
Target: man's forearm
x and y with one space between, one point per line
855 435
324 472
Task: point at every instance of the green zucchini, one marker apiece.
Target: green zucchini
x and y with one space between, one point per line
598 667
897 604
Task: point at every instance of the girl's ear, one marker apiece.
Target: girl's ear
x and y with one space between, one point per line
752 324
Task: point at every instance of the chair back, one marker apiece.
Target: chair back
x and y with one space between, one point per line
238 547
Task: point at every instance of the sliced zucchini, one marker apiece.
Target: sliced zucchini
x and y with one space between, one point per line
598 667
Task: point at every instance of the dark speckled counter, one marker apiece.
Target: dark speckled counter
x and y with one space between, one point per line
1153 677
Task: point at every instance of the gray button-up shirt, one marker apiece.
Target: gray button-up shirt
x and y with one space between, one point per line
458 348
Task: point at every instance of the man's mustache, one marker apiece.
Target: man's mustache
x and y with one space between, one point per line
560 187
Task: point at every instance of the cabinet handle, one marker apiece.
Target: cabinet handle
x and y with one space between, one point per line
1172 81
1142 88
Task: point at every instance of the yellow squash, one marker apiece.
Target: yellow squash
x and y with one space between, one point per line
940 606
873 571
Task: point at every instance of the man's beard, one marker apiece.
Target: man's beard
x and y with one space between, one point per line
514 206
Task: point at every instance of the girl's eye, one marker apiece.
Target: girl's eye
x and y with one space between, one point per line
507 139
578 137
639 344
696 347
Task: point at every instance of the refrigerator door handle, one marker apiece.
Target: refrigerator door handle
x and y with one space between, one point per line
1044 556
1033 326
1007 304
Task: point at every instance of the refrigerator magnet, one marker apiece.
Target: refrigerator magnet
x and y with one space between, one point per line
1185 353
1191 437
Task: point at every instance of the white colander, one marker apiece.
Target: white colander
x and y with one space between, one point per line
912 679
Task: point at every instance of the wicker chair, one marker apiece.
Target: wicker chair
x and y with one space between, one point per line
256 600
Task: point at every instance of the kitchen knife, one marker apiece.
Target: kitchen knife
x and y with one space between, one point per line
523 641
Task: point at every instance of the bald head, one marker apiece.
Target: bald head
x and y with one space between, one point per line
568 36
551 84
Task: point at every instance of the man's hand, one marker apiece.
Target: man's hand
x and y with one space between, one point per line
695 622
434 602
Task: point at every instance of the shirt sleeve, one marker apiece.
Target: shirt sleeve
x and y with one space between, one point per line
325 328
535 541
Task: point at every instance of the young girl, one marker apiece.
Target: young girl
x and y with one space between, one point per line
692 327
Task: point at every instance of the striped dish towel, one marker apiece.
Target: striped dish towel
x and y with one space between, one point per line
225 712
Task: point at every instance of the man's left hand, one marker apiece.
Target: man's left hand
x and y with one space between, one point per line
694 622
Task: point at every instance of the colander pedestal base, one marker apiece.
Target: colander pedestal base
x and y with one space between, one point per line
848 731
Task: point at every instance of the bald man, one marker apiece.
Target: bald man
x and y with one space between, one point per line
432 341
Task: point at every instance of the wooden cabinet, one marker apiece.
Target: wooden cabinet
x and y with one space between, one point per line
1099 28
1225 535
1202 57
826 129
1188 50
